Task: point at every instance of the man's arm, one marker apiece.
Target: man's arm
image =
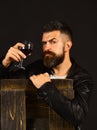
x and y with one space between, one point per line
13 54
71 110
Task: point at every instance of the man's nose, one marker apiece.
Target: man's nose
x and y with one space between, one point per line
47 46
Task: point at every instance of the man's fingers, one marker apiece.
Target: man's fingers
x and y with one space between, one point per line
16 52
19 44
39 80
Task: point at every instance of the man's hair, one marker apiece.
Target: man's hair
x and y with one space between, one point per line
58 25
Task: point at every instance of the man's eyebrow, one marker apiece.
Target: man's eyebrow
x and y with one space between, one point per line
49 40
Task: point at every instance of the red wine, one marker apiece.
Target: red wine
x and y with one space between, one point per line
26 51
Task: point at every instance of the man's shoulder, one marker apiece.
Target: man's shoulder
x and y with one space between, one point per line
36 67
36 63
79 71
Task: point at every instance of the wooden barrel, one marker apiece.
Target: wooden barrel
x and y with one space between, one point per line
23 109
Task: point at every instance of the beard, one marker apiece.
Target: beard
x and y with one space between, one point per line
50 59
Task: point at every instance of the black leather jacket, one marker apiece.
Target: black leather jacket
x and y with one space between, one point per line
72 110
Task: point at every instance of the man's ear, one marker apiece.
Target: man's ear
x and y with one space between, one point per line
68 45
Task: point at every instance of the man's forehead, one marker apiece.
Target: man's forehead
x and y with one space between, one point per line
50 35
54 35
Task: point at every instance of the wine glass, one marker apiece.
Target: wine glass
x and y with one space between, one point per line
26 49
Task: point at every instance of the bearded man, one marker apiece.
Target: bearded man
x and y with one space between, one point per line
57 63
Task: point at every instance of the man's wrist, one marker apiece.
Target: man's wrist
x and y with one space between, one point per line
5 64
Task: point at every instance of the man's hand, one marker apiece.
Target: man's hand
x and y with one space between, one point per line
13 54
39 80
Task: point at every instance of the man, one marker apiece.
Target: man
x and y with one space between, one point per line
57 62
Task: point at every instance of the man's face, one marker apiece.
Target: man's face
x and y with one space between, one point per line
53 48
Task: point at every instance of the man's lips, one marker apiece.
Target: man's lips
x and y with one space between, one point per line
47 54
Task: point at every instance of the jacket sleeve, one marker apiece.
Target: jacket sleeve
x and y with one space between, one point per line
4 72
71 110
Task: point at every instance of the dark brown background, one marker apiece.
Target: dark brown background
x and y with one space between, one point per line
23 19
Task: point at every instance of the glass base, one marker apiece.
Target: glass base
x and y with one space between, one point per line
20 67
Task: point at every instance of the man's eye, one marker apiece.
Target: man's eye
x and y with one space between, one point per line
43 43
53 42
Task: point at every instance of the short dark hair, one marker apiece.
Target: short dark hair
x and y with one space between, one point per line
63 27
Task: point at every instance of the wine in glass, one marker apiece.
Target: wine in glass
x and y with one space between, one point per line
26 49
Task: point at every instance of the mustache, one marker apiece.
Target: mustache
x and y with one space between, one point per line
48 52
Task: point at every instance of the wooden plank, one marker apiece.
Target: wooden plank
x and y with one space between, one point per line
41 116
13 110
